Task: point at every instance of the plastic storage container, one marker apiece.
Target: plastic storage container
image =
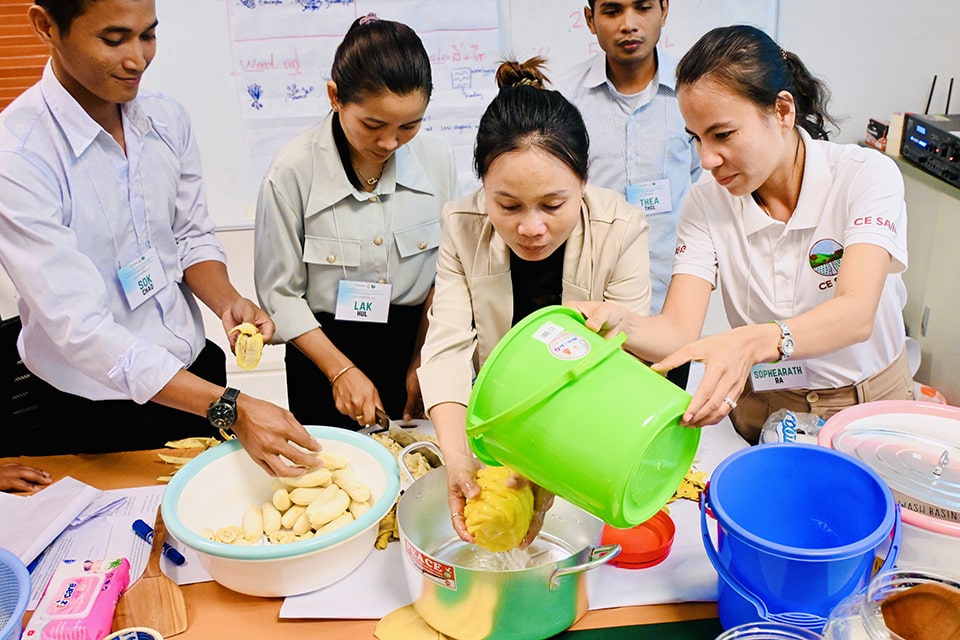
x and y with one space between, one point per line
860 616
915 447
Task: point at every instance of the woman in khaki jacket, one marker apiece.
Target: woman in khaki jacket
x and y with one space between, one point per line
535 234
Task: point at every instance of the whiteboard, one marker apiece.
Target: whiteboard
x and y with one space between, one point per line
252 73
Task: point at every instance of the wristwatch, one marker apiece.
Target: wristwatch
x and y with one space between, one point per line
786 341
222 413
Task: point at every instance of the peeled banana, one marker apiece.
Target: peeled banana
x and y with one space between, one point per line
249 345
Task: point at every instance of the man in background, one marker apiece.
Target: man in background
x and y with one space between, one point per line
638 145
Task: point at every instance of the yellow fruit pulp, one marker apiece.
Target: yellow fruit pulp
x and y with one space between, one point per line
499 517
249 346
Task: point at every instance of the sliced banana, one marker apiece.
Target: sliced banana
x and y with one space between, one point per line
249 345
192 443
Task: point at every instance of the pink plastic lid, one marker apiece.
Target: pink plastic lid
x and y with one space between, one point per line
915 447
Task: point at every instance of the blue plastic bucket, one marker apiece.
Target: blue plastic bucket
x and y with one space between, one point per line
798 530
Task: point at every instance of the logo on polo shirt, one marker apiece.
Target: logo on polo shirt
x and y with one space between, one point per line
825 256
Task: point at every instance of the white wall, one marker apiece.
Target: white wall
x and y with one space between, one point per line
877 56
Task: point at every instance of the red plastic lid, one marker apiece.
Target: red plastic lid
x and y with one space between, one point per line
645 545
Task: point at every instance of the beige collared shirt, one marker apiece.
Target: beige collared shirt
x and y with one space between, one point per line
606 258
313 229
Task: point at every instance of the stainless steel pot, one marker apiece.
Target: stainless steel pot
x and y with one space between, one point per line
469 593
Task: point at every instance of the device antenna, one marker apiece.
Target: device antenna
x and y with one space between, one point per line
930 97
946 109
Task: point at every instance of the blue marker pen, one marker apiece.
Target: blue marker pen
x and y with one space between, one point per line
145 531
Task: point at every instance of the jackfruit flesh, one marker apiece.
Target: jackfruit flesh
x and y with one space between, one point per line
249 345
499 517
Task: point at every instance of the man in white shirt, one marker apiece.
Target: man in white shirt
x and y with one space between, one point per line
105 234
638 145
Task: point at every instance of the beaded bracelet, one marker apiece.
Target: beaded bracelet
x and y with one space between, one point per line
341 372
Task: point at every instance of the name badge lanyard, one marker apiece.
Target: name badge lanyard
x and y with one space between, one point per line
143 276
365 301
629 109
634 190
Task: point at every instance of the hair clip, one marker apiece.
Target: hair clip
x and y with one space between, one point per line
526 82
783 54
367 19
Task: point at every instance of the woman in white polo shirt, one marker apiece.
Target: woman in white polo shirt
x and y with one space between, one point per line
807 237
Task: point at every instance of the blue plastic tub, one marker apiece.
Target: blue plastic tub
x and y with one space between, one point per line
14 593
798 528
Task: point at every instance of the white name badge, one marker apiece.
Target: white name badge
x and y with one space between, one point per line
363 301
779 376
653 197
142 278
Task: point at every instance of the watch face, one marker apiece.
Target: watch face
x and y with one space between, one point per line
222 415
786 346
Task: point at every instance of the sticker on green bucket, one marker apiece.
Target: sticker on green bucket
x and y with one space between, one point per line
562 344
569 346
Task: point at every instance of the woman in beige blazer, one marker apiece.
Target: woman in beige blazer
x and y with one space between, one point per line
535 234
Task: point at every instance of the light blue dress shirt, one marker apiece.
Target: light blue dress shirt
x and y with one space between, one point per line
74 208
635 141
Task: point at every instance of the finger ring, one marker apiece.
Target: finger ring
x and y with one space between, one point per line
456 515
360 417
732 403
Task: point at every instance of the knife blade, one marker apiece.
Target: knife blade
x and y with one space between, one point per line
382 423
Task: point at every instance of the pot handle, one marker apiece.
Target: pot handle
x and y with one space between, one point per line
598 556
410 448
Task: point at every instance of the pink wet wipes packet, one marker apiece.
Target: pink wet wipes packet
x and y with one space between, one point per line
79 600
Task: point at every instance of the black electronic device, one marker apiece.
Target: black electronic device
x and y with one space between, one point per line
932 142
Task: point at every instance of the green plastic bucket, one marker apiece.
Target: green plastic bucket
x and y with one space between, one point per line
573 412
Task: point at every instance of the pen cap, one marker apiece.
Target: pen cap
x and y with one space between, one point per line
143 530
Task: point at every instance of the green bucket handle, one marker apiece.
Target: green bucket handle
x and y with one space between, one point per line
606 348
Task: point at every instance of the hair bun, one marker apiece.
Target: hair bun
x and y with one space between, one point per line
533 82
518 74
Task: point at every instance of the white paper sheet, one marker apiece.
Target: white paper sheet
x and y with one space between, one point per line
375 589
110 535
31 522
